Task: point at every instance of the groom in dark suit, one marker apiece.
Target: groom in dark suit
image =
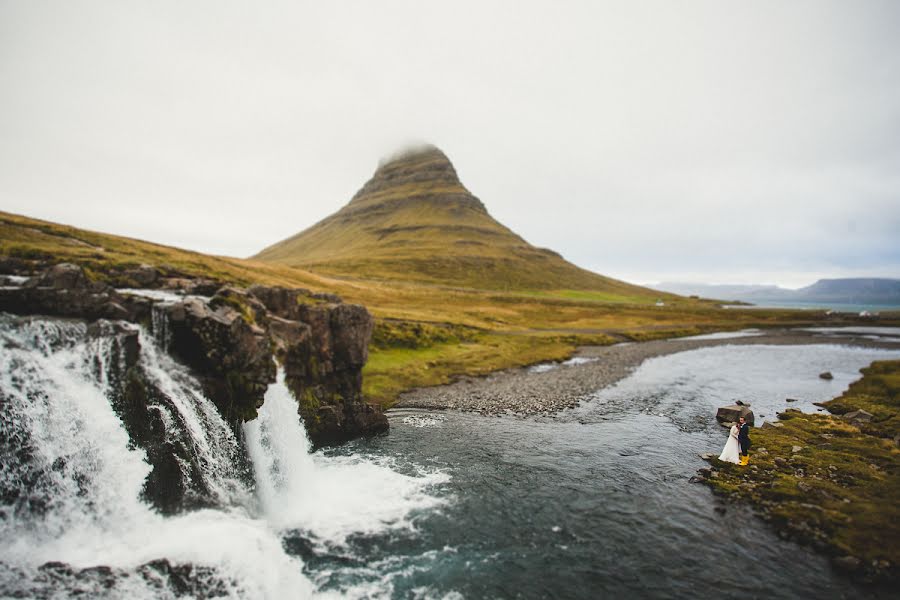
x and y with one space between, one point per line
744 440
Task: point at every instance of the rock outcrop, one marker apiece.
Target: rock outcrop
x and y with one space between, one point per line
230 341
323 345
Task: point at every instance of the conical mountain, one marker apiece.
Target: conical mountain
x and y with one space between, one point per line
415 221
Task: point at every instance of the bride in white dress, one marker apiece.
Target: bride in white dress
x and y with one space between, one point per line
732 450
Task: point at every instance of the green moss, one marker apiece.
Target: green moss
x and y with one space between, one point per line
839 491
878 393
245 311
394 333
238 387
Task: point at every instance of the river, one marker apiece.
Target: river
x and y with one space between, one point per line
596 502
593 502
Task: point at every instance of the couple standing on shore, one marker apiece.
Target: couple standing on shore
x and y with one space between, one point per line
738 445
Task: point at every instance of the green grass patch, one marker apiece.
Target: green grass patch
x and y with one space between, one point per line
391 371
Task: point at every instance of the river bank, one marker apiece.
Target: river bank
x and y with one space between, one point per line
828 481
548 388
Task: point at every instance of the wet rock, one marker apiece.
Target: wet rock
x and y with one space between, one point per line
858 417
728 415
144 276
125 340
64 290
826 375
790 400
847 564
232 356
61 276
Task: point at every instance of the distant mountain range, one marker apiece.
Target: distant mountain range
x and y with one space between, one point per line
862 290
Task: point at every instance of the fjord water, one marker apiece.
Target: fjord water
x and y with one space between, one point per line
593 503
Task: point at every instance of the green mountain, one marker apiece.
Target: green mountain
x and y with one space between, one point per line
415 221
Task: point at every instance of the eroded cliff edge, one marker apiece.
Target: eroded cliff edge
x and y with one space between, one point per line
230 338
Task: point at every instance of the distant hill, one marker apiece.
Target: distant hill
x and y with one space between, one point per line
415 221
852 291
718 290
862 290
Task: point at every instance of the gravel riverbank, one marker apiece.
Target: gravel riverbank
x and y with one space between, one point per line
546 389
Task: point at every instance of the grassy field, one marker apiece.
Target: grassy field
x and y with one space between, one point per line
828 483
494 329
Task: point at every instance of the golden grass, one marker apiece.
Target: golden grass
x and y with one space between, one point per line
530 325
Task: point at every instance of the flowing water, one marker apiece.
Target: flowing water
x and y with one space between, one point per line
593 503
72 517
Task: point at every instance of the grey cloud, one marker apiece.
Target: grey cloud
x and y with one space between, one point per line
739 140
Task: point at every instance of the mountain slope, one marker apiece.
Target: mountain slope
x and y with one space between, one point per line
415 221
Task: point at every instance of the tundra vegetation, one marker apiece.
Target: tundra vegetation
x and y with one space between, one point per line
425 333
831 480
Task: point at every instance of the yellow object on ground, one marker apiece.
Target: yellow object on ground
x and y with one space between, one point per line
745 458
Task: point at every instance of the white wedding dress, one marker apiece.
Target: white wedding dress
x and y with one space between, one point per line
731 452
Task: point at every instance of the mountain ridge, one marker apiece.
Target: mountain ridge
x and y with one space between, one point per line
845 290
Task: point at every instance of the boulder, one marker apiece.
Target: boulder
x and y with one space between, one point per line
61 276
728 415
857 417
232 355
826 375
144 276
848 564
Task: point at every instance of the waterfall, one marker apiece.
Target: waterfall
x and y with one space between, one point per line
71 480
75 462
327 498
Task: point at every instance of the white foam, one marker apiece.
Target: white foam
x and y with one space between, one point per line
52 390
330 498
722 335
94 513
853 330
575 360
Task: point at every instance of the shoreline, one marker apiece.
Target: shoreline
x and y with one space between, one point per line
524 391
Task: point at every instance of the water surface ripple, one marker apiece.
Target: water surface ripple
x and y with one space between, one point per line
596 502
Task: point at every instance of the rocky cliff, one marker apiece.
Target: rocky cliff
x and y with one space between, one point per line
230 340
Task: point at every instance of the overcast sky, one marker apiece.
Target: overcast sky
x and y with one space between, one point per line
728 142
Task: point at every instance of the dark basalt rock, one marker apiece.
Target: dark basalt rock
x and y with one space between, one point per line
231 354
230 342
728 415
323 346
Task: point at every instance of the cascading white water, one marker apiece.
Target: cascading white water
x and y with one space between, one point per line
327 498
72 485
71 480
213 445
